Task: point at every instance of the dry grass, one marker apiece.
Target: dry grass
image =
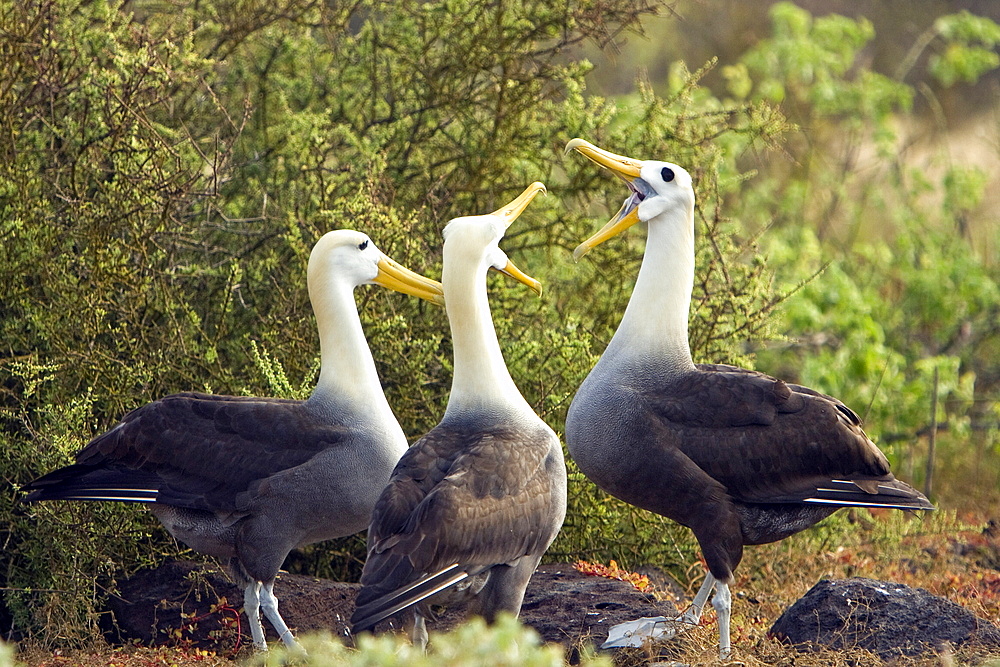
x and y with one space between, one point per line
947 555
101 655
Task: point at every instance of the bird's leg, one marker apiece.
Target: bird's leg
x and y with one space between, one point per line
635 633
503 590
251 605
692 616
269 605
418 631
723 603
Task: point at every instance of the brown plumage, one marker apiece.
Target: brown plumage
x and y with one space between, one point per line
472 505
248 479
737 456
468 503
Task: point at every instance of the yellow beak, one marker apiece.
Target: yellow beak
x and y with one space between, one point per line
521 277
624 167
627 169
509 213
397 277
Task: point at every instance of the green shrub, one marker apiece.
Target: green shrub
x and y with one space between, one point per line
7 655
472 644
167 170
904 295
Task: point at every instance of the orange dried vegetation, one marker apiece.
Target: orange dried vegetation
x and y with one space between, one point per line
612 571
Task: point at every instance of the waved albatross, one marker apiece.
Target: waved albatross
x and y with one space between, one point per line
248 479
736 456
475 503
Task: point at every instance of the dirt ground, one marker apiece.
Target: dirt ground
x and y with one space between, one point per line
193 611
198 606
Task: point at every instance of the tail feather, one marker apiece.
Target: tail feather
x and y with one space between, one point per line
369 614
83 482
890 494
101 495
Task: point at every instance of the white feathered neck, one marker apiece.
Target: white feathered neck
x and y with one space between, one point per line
348 379
481 380
655 323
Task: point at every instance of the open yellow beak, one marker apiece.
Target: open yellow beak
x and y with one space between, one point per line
509 214
625 168
521 277
397 277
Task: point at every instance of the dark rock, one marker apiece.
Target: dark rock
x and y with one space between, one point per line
885 618
186 603
568 607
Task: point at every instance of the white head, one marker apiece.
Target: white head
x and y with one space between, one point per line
474 239
340 261
655 188
349 258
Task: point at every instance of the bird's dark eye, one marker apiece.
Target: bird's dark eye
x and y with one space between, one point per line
363 245
667 174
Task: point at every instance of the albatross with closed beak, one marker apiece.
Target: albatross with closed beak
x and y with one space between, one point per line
249 479
735 455
475 503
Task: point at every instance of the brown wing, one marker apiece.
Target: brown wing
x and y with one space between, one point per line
461 496
761 438
191 450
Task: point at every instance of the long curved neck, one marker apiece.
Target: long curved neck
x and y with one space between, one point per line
655 323
481 380
347 374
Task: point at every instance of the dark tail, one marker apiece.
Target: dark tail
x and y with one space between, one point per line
892 494
83 482
369 614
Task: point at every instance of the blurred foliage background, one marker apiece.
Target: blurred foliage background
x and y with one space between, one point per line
165 168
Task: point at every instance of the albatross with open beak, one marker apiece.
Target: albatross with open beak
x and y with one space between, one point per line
249 479
737 456
475 503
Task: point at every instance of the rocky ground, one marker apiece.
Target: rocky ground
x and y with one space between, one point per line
187 602
192 605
